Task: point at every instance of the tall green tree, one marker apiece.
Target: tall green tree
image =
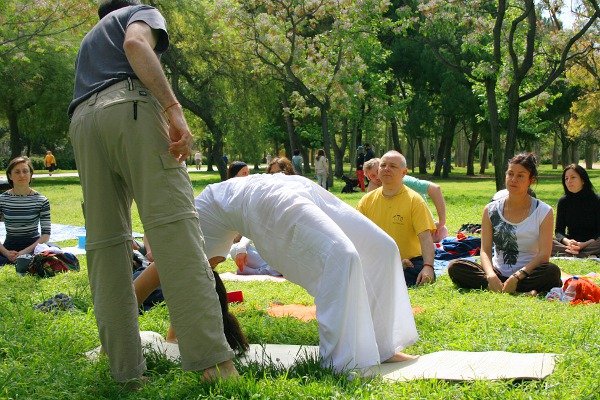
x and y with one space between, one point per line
505 47
37 53
310 45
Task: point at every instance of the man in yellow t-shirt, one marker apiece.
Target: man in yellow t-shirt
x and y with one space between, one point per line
403 214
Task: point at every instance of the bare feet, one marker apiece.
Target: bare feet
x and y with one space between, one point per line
531 293
135 384
224 370
400 357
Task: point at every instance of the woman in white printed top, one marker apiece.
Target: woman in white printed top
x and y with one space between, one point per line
23 210
516 240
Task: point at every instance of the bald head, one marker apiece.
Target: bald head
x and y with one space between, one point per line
392 169
393 155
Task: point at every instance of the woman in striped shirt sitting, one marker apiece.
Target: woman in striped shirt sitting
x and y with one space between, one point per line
23 210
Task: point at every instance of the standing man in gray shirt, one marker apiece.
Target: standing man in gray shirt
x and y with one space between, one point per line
130 138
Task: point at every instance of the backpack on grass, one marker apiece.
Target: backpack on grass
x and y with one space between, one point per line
47 264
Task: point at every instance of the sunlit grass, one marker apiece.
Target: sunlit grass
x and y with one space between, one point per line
41 354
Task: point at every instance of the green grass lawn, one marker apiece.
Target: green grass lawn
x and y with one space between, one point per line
41 353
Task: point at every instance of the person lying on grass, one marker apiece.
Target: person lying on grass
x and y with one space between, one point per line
519 230
351 267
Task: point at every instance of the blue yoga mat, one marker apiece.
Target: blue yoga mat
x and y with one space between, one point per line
60 232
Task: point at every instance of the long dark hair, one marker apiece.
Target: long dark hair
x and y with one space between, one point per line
320 153
233 331
588 187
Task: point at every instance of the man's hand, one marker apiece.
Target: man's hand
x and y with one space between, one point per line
179 133
406 263
240 260
426 275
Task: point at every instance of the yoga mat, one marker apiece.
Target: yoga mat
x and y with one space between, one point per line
229 276
60 232
444 365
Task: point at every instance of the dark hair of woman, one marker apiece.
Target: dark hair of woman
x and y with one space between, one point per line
528 161
233 331
320 153
588 187
234 168
13 163
284 164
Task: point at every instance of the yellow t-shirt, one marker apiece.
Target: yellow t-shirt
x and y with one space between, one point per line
402 217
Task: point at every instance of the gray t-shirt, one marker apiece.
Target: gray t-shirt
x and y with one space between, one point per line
101 60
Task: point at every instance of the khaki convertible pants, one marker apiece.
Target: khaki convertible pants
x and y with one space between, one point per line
120 138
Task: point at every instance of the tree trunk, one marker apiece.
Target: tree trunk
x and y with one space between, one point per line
499 165
448 157
483 161
326 141
513 123
340 150
555 151
589 155
16 145
422 158
473 142
439 158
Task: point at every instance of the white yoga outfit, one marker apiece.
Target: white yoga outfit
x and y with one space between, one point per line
351 267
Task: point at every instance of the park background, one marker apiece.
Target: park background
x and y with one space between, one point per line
448 84
458 87
42 353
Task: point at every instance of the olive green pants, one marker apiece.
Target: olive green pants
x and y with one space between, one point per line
120 139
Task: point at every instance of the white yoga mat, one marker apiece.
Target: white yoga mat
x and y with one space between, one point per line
60 232
468 366
444 365
228 276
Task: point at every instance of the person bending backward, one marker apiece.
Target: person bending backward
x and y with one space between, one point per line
348 264
516 240
421 186
577 230
403 214
123 104
247 258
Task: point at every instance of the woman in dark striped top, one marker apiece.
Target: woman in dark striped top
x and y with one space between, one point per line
23 210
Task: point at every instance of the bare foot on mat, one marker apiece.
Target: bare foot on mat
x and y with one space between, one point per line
225 370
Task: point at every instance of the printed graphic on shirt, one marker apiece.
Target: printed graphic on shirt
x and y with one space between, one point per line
505 238
398 219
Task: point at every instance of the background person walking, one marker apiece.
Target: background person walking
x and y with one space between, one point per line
322 168
50 162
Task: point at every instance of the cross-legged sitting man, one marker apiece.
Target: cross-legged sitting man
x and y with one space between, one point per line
402 213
